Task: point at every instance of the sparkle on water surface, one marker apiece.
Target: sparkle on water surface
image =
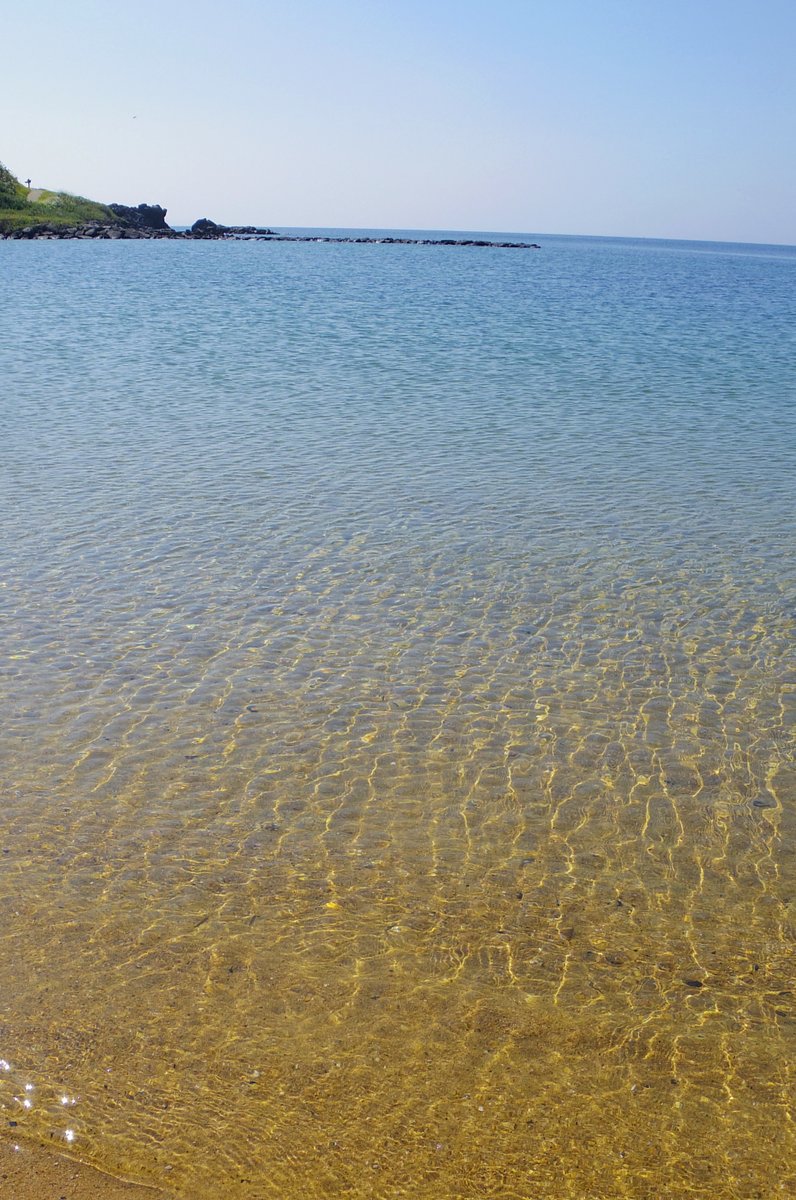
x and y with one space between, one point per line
397 781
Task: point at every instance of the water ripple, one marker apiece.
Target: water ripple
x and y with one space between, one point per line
398 785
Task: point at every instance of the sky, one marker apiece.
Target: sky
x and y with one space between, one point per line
637 118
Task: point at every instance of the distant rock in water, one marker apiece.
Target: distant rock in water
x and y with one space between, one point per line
145 216
204 226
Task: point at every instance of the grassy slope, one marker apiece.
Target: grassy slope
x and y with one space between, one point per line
52 208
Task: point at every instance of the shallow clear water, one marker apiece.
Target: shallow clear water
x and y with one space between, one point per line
397 778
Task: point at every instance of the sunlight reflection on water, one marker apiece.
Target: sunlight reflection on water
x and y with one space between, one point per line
397 761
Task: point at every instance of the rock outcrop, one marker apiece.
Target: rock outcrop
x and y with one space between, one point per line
145 216
205 228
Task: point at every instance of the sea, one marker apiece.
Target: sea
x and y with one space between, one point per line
396 753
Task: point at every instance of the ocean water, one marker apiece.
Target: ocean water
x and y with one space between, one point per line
397 776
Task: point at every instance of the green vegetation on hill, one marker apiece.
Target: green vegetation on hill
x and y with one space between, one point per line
51 208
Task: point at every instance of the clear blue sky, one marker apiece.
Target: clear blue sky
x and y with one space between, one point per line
629 117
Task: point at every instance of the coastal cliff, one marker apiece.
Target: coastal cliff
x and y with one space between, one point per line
36 213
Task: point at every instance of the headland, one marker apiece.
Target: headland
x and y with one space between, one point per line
35 214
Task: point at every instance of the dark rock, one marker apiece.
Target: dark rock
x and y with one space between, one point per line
145 216
390 241
204 226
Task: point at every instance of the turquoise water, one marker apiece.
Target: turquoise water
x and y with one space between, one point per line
396 745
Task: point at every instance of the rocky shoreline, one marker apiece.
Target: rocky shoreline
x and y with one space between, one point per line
148 221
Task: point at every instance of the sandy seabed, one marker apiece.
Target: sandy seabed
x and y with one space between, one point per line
29 1172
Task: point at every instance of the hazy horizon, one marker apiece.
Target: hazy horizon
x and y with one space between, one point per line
538 119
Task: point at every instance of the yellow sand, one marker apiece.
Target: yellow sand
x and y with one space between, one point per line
28 1172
